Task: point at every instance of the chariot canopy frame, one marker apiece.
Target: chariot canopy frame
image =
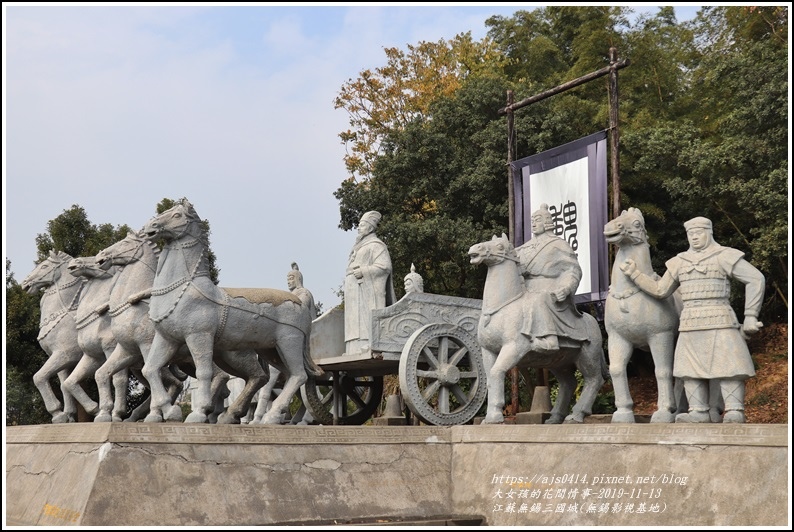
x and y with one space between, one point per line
614 134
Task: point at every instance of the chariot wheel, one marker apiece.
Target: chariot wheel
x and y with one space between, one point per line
442 376
359 397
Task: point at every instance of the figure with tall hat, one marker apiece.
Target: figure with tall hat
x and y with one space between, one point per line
413 281
368 283
295 285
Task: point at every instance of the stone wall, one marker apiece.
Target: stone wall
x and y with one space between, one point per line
136 474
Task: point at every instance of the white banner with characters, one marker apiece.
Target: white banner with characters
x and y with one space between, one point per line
572 180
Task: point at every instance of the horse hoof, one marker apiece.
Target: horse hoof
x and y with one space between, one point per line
493 419
227 419
197 417
63 417
153 418
103 417
272 420
174 413
623 417
572 419
693 417
733 416
662 416
555 419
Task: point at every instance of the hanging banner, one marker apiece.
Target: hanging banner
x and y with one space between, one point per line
572 180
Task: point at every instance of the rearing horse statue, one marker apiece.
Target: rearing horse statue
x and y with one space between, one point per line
505 308
634 319
57 332
187 307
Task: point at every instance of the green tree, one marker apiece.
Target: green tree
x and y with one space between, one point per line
24 357
72 233
723 152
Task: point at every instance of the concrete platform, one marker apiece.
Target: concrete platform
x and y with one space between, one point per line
641 475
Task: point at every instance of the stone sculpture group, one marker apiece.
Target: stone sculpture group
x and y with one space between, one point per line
158 315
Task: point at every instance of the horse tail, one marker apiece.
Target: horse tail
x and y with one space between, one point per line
604 368
308 362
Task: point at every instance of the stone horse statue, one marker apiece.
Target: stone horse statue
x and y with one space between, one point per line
57 331
94 334
137 258
634 319
506 304
187 307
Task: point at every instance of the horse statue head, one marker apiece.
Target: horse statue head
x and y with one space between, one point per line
87 267
47 273
179 221
626 229
493 251
127 250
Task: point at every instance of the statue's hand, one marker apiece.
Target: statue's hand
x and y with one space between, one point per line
751 326
560 294
628 267
357 272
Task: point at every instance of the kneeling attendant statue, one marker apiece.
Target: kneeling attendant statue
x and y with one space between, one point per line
711 343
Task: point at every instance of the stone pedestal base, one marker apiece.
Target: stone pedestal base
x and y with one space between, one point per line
180 474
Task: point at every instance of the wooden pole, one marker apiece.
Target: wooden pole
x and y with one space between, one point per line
565 86
511 142
511 139
613 130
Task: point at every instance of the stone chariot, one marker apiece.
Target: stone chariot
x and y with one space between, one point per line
429 340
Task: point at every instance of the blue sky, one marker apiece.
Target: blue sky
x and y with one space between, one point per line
115 107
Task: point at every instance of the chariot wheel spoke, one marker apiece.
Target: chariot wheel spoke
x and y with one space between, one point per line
431 359
460 395
443 350
431 390
443 400
458 356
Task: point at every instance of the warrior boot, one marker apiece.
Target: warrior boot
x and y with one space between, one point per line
733 396
697 394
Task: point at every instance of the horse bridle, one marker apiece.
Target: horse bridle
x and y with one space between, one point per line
504 255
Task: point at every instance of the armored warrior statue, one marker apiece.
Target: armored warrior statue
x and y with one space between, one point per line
711 343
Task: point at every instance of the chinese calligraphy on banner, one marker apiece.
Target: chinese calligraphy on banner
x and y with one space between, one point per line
572 180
